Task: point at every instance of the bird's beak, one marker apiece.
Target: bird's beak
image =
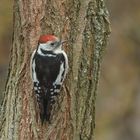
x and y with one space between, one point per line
61 42
64 41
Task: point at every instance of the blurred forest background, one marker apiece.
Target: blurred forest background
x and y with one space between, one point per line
6 23
118 99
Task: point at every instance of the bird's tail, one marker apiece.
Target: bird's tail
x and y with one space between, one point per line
45 110
42 111
48 111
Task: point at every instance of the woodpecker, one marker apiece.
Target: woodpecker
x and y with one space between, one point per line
49 66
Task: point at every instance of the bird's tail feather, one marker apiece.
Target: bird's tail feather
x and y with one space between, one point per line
45 110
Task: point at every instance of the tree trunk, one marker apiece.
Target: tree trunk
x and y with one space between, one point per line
85 24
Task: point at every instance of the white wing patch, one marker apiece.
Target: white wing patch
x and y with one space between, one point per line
66 64
32 68
58 80
34 73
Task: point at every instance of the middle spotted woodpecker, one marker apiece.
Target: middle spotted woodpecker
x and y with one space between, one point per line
49 66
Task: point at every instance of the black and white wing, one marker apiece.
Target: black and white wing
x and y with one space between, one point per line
37 86
63 69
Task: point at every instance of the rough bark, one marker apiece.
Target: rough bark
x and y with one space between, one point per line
85 23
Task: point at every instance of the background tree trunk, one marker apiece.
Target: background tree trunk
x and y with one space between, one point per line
85 24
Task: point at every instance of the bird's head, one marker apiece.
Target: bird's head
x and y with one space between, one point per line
49 43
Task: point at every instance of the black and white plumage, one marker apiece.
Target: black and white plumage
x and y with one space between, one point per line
49 65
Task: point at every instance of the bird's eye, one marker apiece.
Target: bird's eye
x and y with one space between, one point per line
52 44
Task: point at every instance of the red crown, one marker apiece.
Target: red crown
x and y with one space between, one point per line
46 38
